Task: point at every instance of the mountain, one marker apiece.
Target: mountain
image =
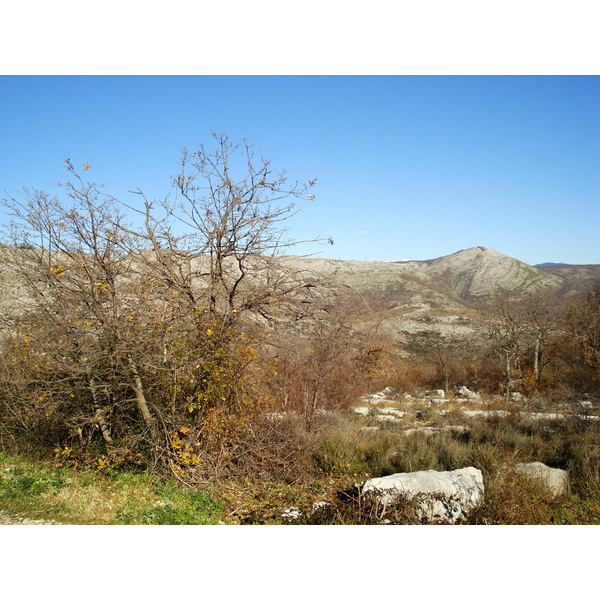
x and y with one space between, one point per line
479 272
412 300
417 301
462 279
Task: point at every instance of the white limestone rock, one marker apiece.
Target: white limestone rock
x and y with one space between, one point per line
467 393
556 480
432 430
444 496
292 514
437 401
389 418
391 411
361 410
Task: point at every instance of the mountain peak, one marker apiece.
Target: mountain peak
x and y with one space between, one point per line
477 271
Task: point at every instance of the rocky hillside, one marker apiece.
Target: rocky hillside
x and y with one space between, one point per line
572 277
442 297
478 272
462 278
411 300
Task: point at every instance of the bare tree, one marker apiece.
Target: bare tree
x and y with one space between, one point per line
506 330
540 315
164 315
70 256
215 244
583 325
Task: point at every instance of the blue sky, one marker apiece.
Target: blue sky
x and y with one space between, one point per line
407 166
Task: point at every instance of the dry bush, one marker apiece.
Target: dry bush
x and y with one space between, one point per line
328 370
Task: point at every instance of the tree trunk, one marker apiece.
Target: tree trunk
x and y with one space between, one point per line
104 428
536 360
508 377
138 390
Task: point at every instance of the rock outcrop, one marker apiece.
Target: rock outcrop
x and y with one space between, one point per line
443 496
555 480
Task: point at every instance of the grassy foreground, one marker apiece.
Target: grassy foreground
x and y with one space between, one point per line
40 491
343 456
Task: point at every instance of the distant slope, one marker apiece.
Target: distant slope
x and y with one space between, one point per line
411 300
573 277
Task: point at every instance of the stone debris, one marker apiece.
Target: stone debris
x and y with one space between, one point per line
292 514
437 401
8 519
431 430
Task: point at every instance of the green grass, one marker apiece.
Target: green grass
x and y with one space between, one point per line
40 491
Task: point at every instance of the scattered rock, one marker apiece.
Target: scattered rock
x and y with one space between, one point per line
8 519
444 496
292 514
467 393
485 413
361 410
555 479
437 401
391 411
322 505
536 416
389 418
432 430
372 399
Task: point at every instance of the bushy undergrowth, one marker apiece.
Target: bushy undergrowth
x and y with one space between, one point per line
337 458
495 446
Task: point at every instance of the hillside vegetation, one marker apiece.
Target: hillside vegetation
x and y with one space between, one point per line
192 358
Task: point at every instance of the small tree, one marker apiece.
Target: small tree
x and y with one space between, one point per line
169 311
82 295
506 330
583 326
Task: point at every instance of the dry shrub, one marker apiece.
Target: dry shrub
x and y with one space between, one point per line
329 370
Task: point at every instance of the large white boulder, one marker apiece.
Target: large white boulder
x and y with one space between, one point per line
556 480
443 495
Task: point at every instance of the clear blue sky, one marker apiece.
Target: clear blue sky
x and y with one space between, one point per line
407 167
